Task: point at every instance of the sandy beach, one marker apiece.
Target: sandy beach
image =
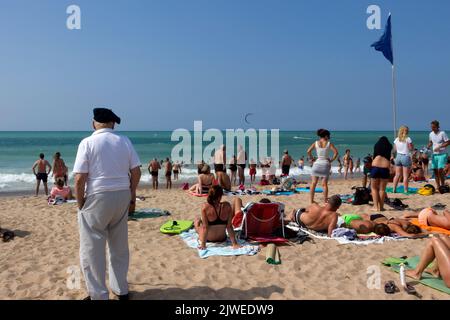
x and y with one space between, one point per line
37 263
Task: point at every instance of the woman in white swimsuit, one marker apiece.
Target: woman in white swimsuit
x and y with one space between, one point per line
322 166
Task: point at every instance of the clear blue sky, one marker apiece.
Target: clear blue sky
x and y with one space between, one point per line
297 65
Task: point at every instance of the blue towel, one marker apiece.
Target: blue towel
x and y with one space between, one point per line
318 190
278 193
218 249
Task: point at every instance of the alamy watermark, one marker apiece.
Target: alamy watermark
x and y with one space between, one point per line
189 149
73 21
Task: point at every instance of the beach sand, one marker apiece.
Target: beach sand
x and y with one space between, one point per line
38 262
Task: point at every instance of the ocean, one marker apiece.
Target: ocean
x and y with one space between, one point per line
19 150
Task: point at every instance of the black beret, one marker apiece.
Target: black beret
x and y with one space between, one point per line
104 115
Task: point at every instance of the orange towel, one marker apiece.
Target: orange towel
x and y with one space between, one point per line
430 229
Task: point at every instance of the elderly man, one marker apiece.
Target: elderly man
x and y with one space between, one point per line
107 172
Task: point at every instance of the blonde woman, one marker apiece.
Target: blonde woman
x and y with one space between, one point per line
403 146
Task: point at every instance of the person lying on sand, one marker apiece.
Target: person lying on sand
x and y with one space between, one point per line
356 222
429 217
438 248
317 218
215 220
402 227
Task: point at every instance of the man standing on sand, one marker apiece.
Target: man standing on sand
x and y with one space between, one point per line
286 163
168 173
42 173
107 172
241 161
153 168
439 140
220 160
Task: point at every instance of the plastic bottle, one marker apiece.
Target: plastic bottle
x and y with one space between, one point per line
402 275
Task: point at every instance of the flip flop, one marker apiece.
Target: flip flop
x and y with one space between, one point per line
412 291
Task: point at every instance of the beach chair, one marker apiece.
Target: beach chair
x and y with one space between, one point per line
261 221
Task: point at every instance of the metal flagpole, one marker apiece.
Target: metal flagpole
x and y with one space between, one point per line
394 87
394 101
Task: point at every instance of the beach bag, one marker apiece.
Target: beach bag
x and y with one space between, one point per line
361 196
444 189
185 186
276 181
426 190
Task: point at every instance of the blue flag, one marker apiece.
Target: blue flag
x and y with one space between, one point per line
385 43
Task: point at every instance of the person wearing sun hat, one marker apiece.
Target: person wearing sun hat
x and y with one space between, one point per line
107 173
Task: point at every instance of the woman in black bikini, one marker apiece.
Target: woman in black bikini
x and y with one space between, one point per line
402 227
380 172
215 220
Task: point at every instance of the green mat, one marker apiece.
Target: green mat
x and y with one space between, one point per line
401 190
427 279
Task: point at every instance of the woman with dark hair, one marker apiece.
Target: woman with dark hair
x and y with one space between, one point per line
215 220
380 172
59 168
322 166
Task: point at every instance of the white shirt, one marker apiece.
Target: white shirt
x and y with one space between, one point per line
437 140
402 147
107 158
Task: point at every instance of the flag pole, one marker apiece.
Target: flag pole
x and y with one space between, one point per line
394 89
394 101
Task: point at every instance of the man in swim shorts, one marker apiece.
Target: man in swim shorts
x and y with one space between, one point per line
153 169
439 140
286 163
317 218
220 160
168 173
42 173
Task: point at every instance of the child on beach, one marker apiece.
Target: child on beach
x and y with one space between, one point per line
252 171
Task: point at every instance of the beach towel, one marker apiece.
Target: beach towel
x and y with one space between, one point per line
346 198
149 213
218 249
278 193
195 194
429 228
318 190
401 189
427 279
344 240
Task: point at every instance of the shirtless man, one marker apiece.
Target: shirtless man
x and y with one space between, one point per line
317 218
168 173
176 170
286 163
153 168
42 173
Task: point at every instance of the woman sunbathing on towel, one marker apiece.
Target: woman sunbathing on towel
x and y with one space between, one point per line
437 248
402 227
429 217
216 218
205 181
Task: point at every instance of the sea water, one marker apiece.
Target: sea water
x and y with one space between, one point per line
19 150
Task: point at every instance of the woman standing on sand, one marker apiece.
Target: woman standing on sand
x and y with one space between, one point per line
348 163
380 173
322 166
403 146
59 168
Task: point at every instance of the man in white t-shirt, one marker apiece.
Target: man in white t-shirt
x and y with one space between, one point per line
439 141
107 172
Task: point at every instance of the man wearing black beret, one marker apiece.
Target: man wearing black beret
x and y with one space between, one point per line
107 173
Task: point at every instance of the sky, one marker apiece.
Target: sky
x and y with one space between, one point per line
161 64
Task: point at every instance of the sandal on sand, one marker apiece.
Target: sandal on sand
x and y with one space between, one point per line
390 287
